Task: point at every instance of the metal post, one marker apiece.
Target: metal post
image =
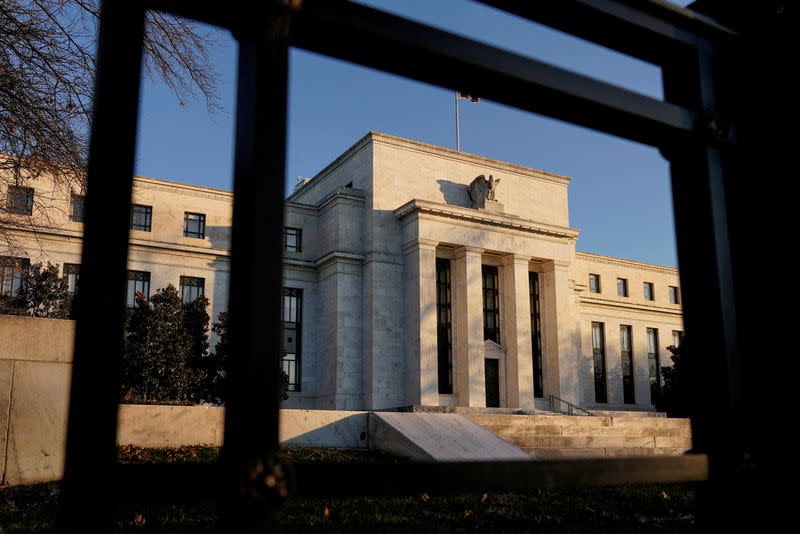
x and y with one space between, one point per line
87 503
255 480
458 126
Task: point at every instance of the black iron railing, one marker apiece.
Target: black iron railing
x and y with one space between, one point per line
556 403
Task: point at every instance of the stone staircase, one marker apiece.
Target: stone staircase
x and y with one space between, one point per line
558 436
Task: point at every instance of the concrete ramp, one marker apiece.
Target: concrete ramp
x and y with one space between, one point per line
438 436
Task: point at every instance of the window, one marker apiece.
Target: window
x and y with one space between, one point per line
673 295
72 272
291 315
141 217
138 282
622 287
20 200
192 288
536 335
491 304
649 293
292 239
444 326
599 354
194 225
594 283
677 337
77 204
654 364
628 392
12 274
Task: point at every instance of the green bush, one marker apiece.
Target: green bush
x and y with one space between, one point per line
43 293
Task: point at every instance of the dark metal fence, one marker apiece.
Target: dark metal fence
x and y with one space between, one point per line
725 88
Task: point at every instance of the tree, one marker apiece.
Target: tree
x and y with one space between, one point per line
165 349
676 394
47 65
43 293
222 349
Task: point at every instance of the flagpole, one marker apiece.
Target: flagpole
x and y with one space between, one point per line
458 133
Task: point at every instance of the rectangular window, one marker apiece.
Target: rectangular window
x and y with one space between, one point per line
444 326
292 239
649 292
72 272
194 225
594 283
192 288
622 287
536 335
673 295
625 345
654 364
291 317
12 275
141 217
77 205
599 354
20 200
491 304
138 282
677 337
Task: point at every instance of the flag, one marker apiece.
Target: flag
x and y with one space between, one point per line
465 96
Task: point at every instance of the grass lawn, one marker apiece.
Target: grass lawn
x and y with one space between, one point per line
621 509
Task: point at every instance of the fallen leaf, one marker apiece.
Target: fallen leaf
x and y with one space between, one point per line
424 497
138 519
326 513
467 512
484 497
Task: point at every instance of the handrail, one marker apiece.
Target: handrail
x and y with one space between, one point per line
571 408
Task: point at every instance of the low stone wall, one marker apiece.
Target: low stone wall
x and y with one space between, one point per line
35 371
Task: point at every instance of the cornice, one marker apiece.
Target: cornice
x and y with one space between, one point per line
434 209
608 303
153 184
621 262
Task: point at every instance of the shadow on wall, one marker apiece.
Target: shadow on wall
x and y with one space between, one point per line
454 193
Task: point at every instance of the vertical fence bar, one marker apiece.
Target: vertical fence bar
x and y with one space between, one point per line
701 178
251 417
87 503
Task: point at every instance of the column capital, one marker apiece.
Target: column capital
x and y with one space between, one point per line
510 259
466 250
555 265
420 244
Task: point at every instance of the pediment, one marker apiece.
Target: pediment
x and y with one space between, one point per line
493 350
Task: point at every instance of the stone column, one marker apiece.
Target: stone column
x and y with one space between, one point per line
419 278
561 337
468 327
516 318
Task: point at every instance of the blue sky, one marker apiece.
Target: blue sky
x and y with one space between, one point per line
619 196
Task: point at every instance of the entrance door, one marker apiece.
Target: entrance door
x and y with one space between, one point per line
492 374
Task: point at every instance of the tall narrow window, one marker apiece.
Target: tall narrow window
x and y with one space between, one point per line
654 364
194 225
536 335
12 273
594 283
292 239
491 304
77 205
192 288
625 345
444 326
141 217
673 295
649 292
72 272
138 282
599 354
677 337
622 287
291 317
19 200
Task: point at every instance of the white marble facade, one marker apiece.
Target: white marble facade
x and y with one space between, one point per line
374 224
375 221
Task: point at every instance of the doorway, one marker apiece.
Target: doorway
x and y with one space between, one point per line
492 374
